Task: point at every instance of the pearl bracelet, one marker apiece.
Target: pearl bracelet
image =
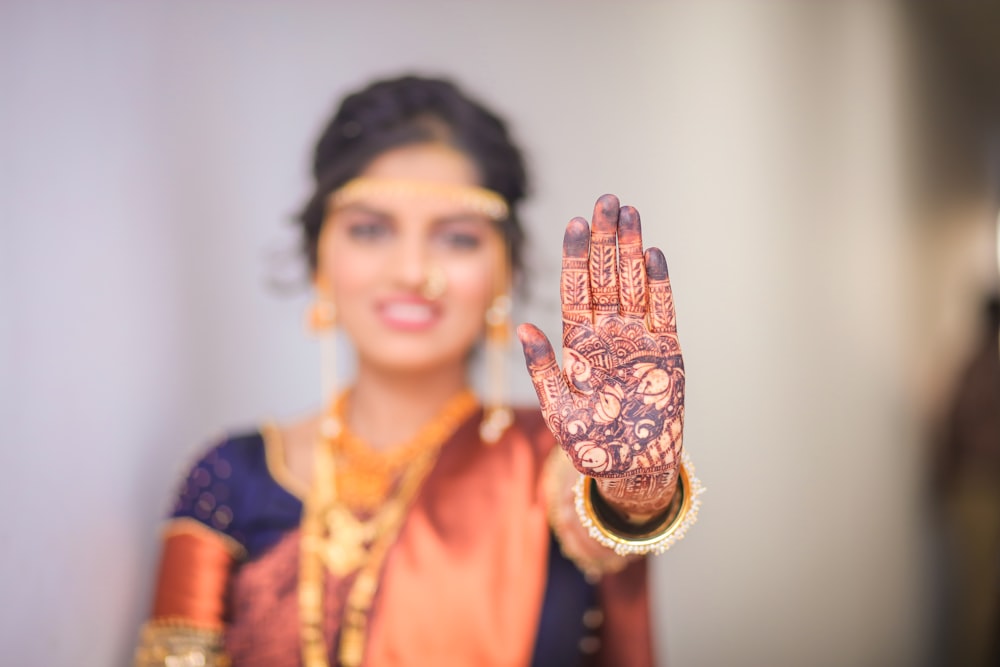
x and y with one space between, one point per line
656 539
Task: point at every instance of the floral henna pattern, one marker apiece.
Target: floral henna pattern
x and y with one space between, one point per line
617 405
618 409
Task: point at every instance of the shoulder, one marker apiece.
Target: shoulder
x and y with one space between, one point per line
233 484
231 456
233 461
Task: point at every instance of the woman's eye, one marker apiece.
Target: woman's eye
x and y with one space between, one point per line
368 231
461 240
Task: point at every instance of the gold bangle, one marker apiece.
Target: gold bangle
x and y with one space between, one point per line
656 539
177 641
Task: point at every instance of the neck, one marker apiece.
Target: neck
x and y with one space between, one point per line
387 408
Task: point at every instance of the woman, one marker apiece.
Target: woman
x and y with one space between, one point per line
407 524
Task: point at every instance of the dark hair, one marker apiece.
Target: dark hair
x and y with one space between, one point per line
411 110
991 313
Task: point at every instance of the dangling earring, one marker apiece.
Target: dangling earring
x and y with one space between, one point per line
323 323
497 415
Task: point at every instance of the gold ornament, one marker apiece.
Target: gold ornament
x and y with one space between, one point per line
497 415
470 197
655 540
176 641
435 283
349 529
322 321
322 315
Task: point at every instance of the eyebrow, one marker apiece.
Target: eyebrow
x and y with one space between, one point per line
463 217
361 208
469 217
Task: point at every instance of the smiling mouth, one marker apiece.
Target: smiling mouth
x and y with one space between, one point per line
408 314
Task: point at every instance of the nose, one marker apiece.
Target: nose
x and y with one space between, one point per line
409 264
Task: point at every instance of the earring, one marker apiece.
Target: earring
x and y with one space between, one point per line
435 283
497 415
323 323
322 315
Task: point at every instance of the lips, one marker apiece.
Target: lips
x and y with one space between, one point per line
408 314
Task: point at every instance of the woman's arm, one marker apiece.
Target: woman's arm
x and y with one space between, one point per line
617 405
186 623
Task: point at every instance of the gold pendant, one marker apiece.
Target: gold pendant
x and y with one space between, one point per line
348 539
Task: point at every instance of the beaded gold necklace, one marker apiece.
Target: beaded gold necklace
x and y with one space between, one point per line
351 517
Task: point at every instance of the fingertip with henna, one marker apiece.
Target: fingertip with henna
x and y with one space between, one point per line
629 227
576 240
536 346
656 264
606 214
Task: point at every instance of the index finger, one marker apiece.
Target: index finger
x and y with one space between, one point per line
661 318
574 283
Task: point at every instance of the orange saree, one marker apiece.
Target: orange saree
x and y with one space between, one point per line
474 577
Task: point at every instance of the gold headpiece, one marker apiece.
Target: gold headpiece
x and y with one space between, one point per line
475 198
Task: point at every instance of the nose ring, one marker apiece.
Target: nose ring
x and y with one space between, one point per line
435 283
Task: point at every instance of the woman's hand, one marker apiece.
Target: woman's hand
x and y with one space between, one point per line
617 407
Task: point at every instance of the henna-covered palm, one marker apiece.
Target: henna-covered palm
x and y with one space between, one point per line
617 407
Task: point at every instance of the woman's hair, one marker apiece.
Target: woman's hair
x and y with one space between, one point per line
412 110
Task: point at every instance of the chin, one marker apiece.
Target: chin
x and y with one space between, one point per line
412 356
409 366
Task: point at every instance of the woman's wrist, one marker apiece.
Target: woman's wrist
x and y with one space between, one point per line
638 498
657 533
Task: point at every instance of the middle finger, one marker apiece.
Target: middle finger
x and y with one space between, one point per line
603 258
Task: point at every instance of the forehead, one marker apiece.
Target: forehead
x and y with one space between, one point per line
425 181
436 163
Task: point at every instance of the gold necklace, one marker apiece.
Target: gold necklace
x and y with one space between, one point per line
334 535
364 476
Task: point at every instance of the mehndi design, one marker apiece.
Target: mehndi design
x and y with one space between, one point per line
617 405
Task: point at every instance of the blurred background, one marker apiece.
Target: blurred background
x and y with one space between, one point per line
823 177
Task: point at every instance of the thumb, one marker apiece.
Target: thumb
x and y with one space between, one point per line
549 382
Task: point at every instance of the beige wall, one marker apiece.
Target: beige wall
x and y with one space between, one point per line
152 153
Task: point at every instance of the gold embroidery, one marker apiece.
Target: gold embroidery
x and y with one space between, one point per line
274 455
188 526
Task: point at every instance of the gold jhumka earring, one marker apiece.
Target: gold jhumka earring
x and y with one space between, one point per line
323 323
497 415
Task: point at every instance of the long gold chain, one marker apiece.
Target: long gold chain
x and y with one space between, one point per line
333 534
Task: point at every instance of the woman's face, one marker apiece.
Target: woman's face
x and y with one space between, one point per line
376 252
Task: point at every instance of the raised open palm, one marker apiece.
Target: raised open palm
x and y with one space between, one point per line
617 406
